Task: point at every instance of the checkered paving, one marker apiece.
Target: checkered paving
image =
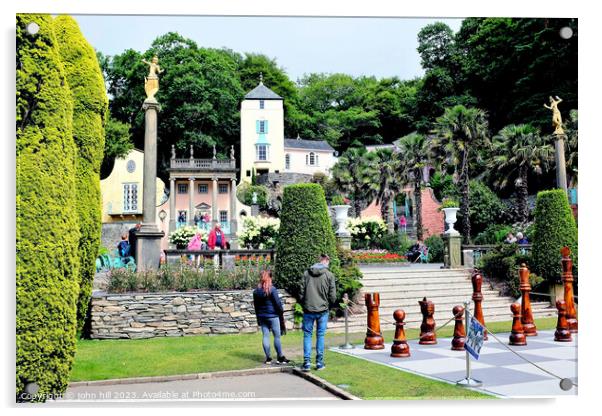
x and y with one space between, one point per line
501 372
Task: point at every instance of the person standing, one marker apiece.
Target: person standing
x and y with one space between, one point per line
403 223
510 239
318 292
132 238
196 244
269 310
216 241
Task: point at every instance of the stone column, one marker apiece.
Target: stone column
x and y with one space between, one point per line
233 216
148 247
191 201
172 204
560 162
453 247
214 213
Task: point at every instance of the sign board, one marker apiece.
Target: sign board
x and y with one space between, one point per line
474 338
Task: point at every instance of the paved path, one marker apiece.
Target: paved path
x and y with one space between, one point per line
502 372
279 386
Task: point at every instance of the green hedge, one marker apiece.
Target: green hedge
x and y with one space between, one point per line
244 193
555 228
90 106
47 232
435 246
305 233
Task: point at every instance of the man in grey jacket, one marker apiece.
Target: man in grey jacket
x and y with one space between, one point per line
318 292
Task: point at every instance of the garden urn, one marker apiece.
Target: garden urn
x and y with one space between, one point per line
450 220
341 215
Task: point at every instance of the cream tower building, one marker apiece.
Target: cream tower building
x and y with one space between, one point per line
261 133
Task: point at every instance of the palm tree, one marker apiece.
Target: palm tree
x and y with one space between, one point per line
572 132
346 173
414 155
459 133
518 150
382 177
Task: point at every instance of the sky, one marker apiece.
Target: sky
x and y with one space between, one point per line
380 47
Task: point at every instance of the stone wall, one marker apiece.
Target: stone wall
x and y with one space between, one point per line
148 315
432 218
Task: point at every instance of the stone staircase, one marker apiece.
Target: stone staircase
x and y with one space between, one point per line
403 286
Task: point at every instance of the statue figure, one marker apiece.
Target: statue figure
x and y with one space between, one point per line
556 117
232 152
254 198
151 82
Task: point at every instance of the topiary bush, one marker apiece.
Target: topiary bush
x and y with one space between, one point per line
435 246
244 193
47 233
554 228
90 106
305 233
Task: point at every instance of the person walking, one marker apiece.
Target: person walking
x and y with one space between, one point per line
133 239
318 292
196 244
269 312
403 223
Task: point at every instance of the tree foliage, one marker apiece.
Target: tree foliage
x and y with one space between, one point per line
47 232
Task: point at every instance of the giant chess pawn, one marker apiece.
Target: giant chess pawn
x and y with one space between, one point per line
400 347
517 337
374 337
525 310
457 343
562 333
427 328
569 297
477 297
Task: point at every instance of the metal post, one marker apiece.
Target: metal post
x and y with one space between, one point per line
468 381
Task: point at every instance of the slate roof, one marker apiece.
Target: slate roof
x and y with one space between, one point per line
261 92
308 144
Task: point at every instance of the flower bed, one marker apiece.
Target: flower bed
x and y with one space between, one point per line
377 256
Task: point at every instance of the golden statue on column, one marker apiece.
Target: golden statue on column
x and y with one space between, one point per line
151 82
556 117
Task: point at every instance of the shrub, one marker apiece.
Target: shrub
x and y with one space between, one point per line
245 191
502 263
90 106
394 243
349 279
47 234
259 232
182 236
493 234
554 228
338 200
366 231
305 233
435 247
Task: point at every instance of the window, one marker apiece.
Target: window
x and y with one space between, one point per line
317 164
130 197
262 126
223 216
312 159
223 188
203 188
182 188
261 152
248 173
287 161
261 104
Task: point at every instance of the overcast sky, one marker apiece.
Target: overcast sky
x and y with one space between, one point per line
382 47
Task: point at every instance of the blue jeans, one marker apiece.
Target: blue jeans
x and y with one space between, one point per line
267 325
308 328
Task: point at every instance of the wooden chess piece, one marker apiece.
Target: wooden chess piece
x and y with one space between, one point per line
525 310
562 333
400 347
517 337
569 298
477 297
457 343
374 337
427 328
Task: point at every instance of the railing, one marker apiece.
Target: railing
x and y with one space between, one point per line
227 259
208 164
479 250
206 226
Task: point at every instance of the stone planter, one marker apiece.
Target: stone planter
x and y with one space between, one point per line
341 215
450 220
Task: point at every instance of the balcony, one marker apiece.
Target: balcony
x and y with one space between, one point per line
209 165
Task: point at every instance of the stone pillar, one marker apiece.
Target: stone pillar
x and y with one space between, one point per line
172 204
214 213
191 201
468 256
453 244
344 241
560 162
233 220
148 247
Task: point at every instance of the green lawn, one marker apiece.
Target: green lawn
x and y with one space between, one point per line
106 359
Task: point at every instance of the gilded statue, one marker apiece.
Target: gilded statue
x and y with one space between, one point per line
556 116
151 82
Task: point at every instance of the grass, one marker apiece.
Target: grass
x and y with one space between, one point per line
108 359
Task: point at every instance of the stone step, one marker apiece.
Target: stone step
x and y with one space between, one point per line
405 272
428 291
441 303
376 283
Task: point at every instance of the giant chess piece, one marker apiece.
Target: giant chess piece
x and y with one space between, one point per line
457 343
569 298
374 337
525 310
477 297
562 333
427 328
517 337
400 347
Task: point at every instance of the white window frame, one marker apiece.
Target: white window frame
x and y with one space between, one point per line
312 159
221 186
182 186
287 161
206 186
130 197
223 213
261 104
258 154
261 126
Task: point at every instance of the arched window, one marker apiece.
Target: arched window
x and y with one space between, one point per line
317 163
287 161
312 159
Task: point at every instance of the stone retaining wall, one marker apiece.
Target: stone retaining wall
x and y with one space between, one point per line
148 315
